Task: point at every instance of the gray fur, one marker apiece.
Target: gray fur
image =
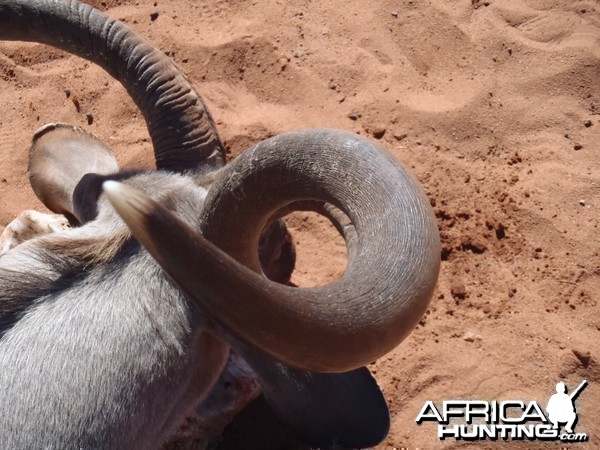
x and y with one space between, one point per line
108 355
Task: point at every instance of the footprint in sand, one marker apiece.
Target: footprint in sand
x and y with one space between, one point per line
552 30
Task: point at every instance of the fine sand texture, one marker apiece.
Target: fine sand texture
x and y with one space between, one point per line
493 105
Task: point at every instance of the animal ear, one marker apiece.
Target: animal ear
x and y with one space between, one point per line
323 410
60 157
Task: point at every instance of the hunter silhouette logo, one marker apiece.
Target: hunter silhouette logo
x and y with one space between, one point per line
510 419
561 407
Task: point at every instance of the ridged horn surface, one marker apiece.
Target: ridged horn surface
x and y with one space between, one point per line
389 279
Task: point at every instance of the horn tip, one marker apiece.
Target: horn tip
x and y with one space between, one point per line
127 201
111 186
117 193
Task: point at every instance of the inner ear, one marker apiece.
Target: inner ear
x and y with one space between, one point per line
59 158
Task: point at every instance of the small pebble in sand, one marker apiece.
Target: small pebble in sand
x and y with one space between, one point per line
153 15
283 62
377 131
471 337
578 146
458 290
582 202
588 123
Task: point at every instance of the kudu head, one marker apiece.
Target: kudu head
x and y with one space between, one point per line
215 230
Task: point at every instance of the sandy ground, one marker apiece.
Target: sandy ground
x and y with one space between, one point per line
493 105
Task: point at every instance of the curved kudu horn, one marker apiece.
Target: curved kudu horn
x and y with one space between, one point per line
182 131
390 276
